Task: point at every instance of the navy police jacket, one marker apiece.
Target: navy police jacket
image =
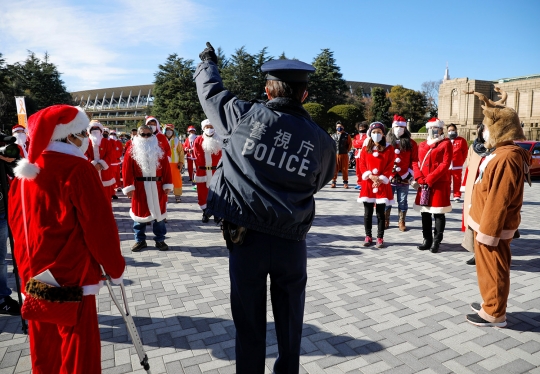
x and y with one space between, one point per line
274 159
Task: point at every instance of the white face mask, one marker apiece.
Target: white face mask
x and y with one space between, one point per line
209 132
376 137
168 133
84 145
95 133
398 131
153 129
485 135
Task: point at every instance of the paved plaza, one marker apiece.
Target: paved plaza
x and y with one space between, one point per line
368 310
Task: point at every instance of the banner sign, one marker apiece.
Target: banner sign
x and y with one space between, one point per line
21 111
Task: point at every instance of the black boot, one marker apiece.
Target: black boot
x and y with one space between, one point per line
472 261
436 242
426 232
205 218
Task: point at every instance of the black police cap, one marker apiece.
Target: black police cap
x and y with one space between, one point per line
287 70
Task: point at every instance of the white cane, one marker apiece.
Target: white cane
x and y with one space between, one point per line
128 319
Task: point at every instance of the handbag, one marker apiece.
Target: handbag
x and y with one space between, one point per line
425 195
46 303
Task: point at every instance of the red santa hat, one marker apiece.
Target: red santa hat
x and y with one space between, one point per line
94 123
19 128
191 128
150 118
205 123
106 129
399 121
52 123
169 126
434 122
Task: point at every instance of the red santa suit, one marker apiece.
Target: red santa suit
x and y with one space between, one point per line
206 162
102 152
188 151
378 163
460 149
162 139
432 169
149 201
22 140
70 231
358 143
118 149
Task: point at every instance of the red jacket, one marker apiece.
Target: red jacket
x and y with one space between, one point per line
380 164
204 160
358 143
118 149
404 160
460 149
104 155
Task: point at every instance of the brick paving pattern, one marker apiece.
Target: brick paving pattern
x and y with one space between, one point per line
390 310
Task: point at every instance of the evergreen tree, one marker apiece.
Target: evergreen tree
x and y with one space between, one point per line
380 106
243 76
326 86
175 94
410 104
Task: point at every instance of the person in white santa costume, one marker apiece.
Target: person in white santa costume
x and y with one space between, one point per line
376 162
20 133
101 154
62 222
207 152
188 150
147 181
432 173
405 156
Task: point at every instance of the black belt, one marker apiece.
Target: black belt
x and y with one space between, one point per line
207 167
148 179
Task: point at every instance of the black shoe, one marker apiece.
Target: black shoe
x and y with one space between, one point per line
436 243
137 247
472 261
205 218
476 320
162 246
217 220
426 244
476 307
114 197
10 306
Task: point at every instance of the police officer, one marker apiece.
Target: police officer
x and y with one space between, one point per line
275 158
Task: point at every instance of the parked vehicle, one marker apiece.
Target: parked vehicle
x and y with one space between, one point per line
534 148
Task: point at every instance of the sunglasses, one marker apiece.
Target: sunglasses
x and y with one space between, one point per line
145 134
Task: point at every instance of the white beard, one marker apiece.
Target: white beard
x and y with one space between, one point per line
21 139
146 152
192 138
96 140
211 144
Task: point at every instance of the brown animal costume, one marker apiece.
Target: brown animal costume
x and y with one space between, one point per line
494 214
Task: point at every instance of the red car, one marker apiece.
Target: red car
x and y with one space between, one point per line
534 148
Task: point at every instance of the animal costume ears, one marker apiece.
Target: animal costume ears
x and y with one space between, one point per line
501 103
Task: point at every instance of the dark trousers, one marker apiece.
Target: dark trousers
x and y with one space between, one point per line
440 223
250 264
368 218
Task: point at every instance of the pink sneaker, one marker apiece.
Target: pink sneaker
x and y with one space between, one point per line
380 243
368 241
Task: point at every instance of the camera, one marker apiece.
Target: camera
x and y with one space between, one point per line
9 148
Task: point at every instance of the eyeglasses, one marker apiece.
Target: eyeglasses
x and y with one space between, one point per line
145 134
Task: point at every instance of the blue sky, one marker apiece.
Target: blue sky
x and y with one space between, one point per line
112 43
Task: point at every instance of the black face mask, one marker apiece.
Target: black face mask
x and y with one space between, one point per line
105 136
362 131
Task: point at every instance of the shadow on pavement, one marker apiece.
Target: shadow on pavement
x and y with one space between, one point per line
178 330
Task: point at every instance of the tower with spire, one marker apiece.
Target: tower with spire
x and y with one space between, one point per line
446 74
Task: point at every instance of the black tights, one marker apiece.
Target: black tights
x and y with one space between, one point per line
368 218
440 223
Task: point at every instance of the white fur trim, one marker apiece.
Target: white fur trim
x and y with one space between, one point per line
375 171
365 199
199 179
375 154
104 164
108 183
384 179
76 126
127 189
384 201
92 289
94 124
398 169
204 123
431 141
168 186
145 219
94 162
399 124
462 189
437 123
430 209
66 148
397 151
26 170
366 175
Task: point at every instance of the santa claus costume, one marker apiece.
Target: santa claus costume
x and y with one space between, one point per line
64 225
20 133
432 173
118 148
147 178
376 163
460 149
405 156
101 152
207 152
188 150
358 143
176 160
